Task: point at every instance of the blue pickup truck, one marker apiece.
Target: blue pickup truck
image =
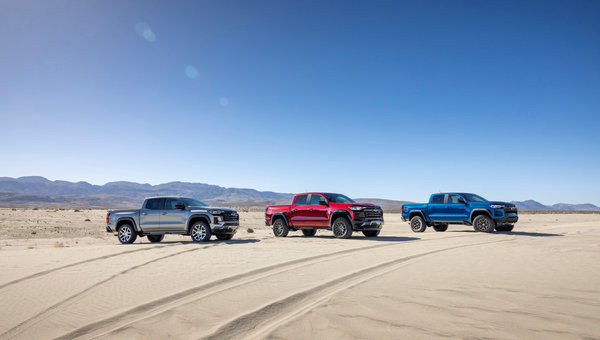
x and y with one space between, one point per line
460 208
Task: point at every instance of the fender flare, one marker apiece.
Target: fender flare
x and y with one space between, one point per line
419 212
128 219
205 217
340 212
277 215
487 212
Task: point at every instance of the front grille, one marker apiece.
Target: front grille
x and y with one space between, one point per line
373 213
230 217
510 209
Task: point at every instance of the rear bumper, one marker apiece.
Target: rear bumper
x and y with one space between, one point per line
109 229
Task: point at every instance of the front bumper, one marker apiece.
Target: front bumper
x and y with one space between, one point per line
228 228
507 219
367 225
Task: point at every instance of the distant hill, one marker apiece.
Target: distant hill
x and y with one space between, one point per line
38 191
534 205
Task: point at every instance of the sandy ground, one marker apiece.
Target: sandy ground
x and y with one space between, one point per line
71 279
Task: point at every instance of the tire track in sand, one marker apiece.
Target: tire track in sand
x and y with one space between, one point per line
265 319
195 293
12 332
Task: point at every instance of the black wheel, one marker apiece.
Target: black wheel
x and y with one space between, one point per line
224 237
309 232
484 224
155 238
200 232
342 228
280 228
371 233
442 227
505 227
126 233
417 224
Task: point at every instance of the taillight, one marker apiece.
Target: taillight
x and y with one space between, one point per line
401 209
107 214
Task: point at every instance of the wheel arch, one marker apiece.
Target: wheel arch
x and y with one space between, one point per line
339 213
417 212
478 212
195 218
279 215
124 220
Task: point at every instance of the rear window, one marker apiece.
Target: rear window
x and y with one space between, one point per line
300 200
438 199
153 204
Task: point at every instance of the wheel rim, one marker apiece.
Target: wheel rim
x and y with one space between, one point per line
125 234
416 224
278 229
199 232
482 224
339 228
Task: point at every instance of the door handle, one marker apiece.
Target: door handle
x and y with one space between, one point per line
294 209
144 213
310 209
164 213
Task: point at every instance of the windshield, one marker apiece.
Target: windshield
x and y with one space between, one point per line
194 202
474 198
338 198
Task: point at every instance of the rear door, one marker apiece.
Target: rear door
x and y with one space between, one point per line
150 215
437 208
299 211
457 209
171 218
317 212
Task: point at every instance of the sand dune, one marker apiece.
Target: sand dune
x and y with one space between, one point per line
541 281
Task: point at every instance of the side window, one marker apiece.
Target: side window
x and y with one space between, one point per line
453 199
170 203
315 199
301 200
438 199
153 204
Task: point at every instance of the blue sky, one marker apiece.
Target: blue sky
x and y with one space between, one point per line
372 99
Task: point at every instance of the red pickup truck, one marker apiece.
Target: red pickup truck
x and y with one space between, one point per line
315 210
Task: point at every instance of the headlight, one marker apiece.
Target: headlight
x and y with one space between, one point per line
215 212
496 206
355 208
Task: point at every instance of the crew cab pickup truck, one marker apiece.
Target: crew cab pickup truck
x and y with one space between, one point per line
460 208
314 210
173 215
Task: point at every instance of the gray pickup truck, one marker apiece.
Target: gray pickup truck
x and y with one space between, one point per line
173 215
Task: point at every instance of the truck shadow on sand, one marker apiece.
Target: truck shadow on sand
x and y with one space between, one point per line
358 237
516 233
245 241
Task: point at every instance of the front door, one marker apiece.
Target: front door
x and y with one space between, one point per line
173 219
150 215
457 209
317 212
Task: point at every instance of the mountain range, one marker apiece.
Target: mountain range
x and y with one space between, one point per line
37 191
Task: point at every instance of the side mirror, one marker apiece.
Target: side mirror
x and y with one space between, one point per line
323 202
180 206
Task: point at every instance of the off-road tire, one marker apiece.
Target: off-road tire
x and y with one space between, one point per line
224 237
155 238
505 227
126 233
417 224
200 232
371 233
280 228
440 228
309 232
484 223
342 228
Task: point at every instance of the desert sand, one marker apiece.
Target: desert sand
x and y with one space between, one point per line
64 277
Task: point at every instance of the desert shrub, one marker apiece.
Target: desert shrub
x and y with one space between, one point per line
76 210
250 230
58 245
33 232
87 220
34 209
13 209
